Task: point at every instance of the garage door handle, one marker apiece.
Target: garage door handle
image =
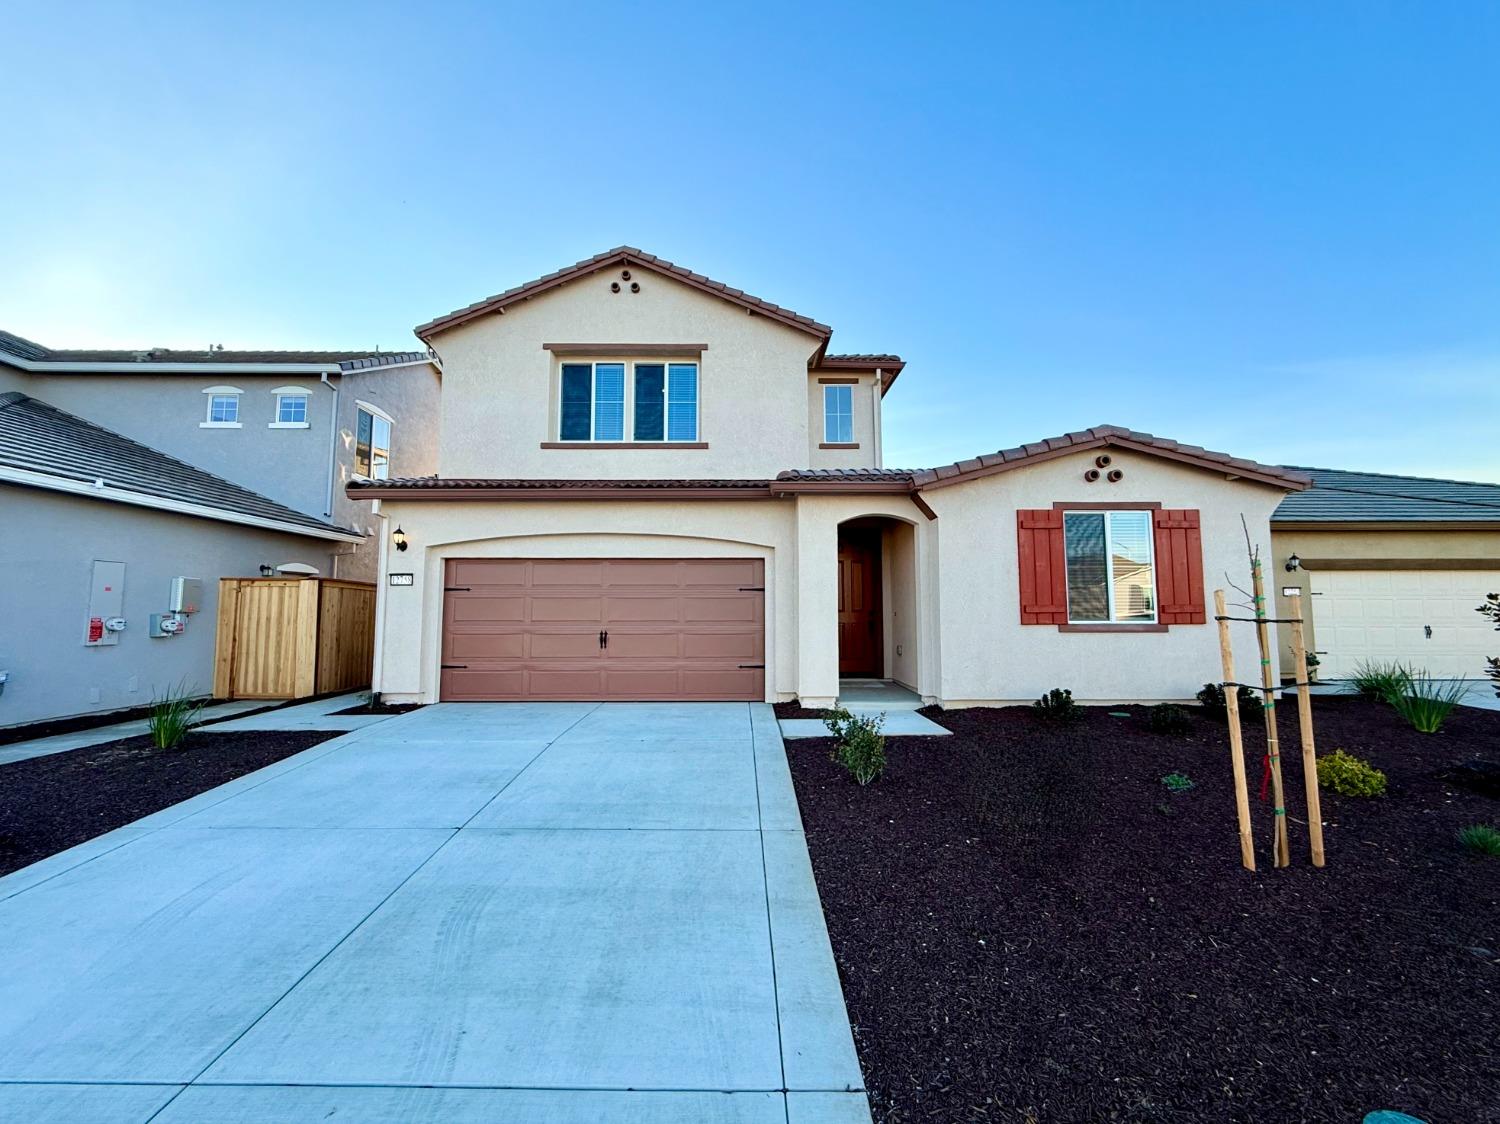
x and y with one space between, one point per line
745 666
454 666
752 589
456 589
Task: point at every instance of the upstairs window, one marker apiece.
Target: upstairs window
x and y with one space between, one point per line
1110 569
660 399
223 408
838 415
291 408
372 444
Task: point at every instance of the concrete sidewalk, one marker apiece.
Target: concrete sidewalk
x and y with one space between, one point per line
527 912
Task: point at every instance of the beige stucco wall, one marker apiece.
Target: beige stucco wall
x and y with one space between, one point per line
988 655
865 400
498 384
1418 545
952 591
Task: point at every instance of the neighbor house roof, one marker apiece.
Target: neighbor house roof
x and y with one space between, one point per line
1337 496
627 256
30 353
44 447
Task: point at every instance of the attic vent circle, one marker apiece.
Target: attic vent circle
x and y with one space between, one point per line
624 275
614 286
1102 460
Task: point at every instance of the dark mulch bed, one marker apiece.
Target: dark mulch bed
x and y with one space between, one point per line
1029 927
51 803
382 708
795 709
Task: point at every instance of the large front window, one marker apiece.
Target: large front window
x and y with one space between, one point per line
1111 577
659 399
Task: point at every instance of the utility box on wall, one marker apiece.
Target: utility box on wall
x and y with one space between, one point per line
106 603
186 595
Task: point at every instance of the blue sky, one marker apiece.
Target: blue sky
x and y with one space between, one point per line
1267 228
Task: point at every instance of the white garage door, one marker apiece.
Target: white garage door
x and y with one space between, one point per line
1424 618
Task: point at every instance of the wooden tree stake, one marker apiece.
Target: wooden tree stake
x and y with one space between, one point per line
1236 745
1305 722
1281 850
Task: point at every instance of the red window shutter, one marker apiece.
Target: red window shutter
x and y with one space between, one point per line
1179 567
1042 569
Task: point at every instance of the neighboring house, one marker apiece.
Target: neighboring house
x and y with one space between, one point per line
295 426
1392 568
96 527
655 486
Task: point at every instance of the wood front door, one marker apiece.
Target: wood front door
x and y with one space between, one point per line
861 640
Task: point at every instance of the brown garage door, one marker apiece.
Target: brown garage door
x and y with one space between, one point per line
616 628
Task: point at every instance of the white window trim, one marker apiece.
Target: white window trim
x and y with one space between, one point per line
220 392
829 392
289 392
376 411
628 435
1109 565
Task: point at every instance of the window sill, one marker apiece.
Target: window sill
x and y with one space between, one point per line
220 425
838 444
624 444
1112 628
288 425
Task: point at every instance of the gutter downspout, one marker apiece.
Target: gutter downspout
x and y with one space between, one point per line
381 587
333 455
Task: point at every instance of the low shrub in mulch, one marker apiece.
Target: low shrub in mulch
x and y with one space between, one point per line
51 803
1030 927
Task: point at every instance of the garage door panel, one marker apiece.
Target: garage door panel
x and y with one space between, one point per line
1424 618
676 629
554 607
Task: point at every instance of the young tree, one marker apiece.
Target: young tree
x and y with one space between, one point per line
1491 609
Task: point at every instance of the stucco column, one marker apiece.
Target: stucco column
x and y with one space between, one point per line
817 602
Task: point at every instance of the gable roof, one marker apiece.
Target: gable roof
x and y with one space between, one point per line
627 256
1337 496
1110 436
30 353
42 446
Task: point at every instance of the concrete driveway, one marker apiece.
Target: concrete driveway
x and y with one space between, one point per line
529 912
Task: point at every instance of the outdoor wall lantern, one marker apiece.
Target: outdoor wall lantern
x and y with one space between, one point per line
265 570
1293 564
399 538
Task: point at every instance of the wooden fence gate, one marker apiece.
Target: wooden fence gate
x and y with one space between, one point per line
289 638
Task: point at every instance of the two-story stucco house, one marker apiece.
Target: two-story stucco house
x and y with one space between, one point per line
122 473
294 426
652 485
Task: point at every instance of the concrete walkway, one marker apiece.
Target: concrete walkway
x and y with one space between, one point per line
259 714
550 913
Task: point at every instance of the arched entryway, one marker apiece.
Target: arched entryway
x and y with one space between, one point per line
877 600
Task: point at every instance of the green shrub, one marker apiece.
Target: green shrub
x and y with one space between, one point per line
1349 776
1380 680
172 716
861 745
1426 702
1480 838
1212 700
1167 718
1177 782
1057 705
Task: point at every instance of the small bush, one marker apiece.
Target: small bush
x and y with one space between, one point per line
1177 782
1426 702
172 716
1169 719
1380 680
1057 705
1491 609
1212 700
861 745
1480 838
1349 776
